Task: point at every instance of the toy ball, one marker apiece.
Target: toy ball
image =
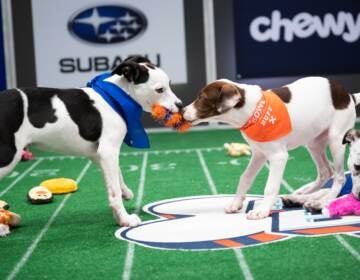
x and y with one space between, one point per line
60 185
169 119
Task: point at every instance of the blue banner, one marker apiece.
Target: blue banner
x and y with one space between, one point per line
285 38
2 55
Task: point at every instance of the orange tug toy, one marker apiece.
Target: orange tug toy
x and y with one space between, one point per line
169 119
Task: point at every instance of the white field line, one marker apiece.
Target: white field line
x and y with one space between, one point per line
36 241
238 253
31 167
348 247
284 182
140 153
206 172
131 247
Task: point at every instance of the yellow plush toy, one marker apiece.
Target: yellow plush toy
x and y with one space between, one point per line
237 149
60 185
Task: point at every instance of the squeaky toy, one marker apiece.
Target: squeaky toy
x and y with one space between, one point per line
169 119
237 149
40 195
343 206
7 219
60 185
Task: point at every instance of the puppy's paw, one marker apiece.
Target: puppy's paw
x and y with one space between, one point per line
127 194
130 221
234 207
313 205
290 201
258 213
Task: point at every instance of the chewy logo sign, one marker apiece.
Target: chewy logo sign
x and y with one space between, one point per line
304 25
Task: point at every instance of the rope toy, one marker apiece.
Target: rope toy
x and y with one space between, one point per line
169 119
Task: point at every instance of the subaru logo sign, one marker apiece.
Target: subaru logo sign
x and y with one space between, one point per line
107 24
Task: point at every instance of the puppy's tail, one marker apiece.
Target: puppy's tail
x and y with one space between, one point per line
356 97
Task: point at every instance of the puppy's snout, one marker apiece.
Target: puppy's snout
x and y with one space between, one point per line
357 167
179 105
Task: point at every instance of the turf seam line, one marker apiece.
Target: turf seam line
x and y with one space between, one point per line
131 247
37 240
31 167
238 253
347 246
283 182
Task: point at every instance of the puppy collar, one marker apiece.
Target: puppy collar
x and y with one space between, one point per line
269 121
125 106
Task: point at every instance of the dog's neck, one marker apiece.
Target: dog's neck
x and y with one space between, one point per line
239 116
121 82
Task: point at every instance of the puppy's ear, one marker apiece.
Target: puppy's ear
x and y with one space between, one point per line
138 59
230 96
350 136
132 71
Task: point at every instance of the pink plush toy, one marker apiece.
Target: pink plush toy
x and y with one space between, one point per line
26 155
344 205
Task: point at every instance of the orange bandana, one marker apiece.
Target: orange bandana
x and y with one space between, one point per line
269 121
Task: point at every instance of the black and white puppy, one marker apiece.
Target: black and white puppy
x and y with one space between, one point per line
78 121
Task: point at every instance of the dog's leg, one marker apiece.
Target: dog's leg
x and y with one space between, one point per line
108 160
277 167
246 179
317 149
17 157
300 199
338 153
324 171
126 192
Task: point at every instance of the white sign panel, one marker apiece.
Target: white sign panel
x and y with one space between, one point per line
76 40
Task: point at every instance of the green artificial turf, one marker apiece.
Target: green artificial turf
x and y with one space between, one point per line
80 242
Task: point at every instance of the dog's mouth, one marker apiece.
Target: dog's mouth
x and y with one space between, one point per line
195 122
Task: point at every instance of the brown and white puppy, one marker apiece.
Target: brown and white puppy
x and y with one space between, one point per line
320 112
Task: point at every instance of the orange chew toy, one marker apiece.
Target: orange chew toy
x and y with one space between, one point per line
169 119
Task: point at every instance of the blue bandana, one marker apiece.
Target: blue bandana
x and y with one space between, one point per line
125 106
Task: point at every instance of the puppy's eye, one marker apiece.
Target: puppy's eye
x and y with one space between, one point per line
159 90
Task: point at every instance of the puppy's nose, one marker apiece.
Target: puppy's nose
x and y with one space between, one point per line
179 105
357 167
